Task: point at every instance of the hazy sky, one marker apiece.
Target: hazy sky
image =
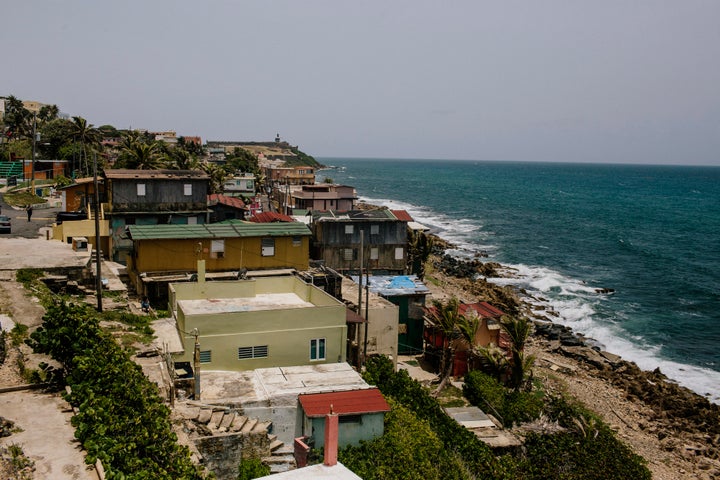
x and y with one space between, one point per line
601 81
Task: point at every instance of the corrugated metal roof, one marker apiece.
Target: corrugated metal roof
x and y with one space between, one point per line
269 217
484 309
235 202
124 173
334 215
402 215
395 285
218 230
353 402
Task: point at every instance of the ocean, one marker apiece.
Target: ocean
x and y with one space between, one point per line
650 233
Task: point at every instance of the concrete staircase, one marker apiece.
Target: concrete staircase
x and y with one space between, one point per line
220 420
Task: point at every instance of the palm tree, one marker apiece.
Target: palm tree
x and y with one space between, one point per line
143 156
518 330
420 246
446 316
217 176
88 136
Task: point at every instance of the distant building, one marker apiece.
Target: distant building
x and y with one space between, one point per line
152 197
240 185
324 197
337 237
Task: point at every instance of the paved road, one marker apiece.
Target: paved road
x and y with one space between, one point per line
41 217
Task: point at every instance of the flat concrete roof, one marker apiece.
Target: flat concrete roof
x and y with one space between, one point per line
318 471
278 386
263 301
17 253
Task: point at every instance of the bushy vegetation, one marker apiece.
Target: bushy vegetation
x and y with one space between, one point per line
251 468
409 449
511 406
586 449
474 457
121 420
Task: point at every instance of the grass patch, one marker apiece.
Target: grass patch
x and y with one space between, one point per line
18 334
21 198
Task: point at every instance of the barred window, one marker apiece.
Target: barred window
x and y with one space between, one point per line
205 356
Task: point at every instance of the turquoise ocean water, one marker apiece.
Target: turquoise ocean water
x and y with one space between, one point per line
651 233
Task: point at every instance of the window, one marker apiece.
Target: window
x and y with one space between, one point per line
257 351
374 229
205 356
187 189
217 248
268 247
348 254
348 229
374 253
192 220
350 419
140 189
317 349
399 253
296 241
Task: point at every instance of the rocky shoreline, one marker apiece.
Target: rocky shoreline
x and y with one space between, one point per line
675 429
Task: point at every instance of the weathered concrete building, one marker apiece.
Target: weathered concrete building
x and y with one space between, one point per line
259 323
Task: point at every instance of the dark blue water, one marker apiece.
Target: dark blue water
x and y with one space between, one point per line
651 233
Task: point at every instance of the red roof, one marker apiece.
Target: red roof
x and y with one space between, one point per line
483 309
235 202
270 217
402 215
353 402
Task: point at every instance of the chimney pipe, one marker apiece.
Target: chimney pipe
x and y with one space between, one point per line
331 438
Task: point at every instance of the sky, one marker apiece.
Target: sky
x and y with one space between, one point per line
617 81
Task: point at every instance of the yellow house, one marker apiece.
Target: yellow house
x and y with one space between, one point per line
225 247
259 323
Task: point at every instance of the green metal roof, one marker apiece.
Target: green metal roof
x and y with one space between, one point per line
218 230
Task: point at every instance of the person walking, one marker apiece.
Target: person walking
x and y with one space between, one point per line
29 211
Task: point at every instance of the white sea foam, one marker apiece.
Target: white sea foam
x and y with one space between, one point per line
575 302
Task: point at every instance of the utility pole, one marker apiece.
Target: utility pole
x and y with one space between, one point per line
98 259
196 365
32 161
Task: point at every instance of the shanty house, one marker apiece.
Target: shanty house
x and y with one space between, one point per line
337 238
488 333
152 197
361 415
225 247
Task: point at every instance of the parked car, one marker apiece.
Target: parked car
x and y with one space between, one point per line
4 224
69 216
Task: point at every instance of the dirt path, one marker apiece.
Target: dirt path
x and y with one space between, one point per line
42 419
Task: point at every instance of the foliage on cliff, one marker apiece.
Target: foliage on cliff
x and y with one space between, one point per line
587 449
121 419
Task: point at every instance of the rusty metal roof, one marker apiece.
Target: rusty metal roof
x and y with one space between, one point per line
128 174
217 230
217 198
269 217
353 402
402 215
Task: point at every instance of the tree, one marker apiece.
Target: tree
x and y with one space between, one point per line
18 120
88 137
242 160
137 153
518 330
446 316
217 177
48 113
420 246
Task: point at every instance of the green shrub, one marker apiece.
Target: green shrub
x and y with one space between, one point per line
408 438
251 468
121 419
511 406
